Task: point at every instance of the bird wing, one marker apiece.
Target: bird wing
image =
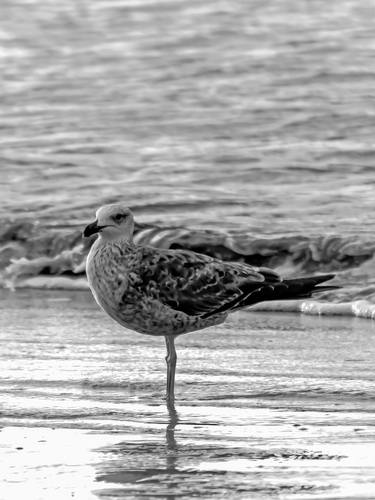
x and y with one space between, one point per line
197 284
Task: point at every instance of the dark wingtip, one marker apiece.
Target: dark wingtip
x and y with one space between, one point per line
325 288
311 284
324 277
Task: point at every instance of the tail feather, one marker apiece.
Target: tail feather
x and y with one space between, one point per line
296 288
311 281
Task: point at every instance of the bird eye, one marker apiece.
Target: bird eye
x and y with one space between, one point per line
118 217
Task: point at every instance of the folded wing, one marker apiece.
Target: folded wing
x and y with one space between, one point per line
196 284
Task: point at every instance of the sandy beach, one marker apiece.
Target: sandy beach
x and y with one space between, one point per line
268 405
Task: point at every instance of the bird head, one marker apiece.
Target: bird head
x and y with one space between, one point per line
113 222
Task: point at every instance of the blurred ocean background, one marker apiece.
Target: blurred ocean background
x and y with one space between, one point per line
243 129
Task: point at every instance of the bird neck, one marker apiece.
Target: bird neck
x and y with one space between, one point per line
123 239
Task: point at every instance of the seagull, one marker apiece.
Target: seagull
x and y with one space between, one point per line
172 292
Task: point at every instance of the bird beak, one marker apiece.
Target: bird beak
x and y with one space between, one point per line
92 229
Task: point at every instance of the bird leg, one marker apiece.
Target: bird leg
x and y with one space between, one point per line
171 359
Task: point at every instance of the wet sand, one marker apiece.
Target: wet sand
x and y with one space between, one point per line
268 405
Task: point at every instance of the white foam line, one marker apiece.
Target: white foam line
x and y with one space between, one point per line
358 308
49 283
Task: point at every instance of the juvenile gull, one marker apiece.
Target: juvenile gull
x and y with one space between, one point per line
171 292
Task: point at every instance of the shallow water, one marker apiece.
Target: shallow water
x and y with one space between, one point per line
267 405
254 119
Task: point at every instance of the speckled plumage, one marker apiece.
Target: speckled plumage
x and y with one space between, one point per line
171 292
163 292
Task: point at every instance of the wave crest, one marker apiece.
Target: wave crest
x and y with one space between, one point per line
31 256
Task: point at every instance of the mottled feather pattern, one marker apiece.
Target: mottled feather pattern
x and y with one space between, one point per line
189 282
131 291
163 292
169 292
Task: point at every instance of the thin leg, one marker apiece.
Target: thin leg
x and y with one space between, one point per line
171 359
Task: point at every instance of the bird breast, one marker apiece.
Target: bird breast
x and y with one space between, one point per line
107 276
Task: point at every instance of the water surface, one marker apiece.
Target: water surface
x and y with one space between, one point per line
268 405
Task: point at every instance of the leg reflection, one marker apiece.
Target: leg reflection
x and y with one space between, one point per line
170 437
129 464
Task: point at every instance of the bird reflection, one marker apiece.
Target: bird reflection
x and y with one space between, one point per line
170 437
123 468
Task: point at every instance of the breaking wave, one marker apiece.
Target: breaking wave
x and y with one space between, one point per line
35 258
